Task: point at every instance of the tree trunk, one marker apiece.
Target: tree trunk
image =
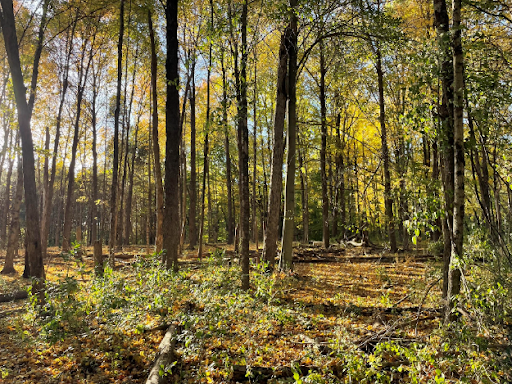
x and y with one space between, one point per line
442 24
14 226
243 150
156 146
289 200
276 176
115 161
33 235
454 273
192 213
206 168
323 150
171 222
68 210
388 199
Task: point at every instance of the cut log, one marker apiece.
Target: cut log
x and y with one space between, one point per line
18 295
165 357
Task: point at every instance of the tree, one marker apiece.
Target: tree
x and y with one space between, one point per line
286 262
171 231
33 237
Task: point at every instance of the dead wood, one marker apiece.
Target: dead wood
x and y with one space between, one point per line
11 312
164 358
18 295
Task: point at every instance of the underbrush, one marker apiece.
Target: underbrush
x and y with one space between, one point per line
108 329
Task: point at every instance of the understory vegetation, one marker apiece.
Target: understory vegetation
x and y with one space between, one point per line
349 315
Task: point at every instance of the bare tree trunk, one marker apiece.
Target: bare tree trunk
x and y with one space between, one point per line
171 223
276 177
442 24
229 220
286 262
115 161
68 211
303 169
454 273
323 150
388 199
255 159
14 226
128 114
128 230
7 199
33 236
156 145
192 213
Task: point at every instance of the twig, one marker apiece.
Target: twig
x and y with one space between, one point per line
423 302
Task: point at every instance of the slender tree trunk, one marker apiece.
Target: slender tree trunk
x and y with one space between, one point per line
255 158
304 187
442 24
171 222
243 150
192 213
156 145
14 226
286 262
68 210
33 235
229 220
454 273
323 150
115 161
276 176
388 199
128 230
205 164
7 199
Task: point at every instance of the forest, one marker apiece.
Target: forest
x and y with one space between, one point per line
287 191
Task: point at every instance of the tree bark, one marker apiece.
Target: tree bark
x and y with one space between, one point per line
115 161
442 25
171 222
454 273
276 176
286 262
388 199
323 150
33 236
14 226
229 220
192 213
68 210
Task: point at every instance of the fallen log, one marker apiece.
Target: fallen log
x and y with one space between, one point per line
13 296
164 359
11 312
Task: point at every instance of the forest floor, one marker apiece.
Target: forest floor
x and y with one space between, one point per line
343 315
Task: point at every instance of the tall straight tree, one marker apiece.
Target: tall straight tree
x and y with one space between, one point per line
115 165
445 113
33 236
454 272
156 146
323 149
192 213
388 199
83 72
229 219
285 262
243 153
171 230
276 176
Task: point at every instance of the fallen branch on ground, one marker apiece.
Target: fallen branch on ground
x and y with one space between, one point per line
13 296
164 358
